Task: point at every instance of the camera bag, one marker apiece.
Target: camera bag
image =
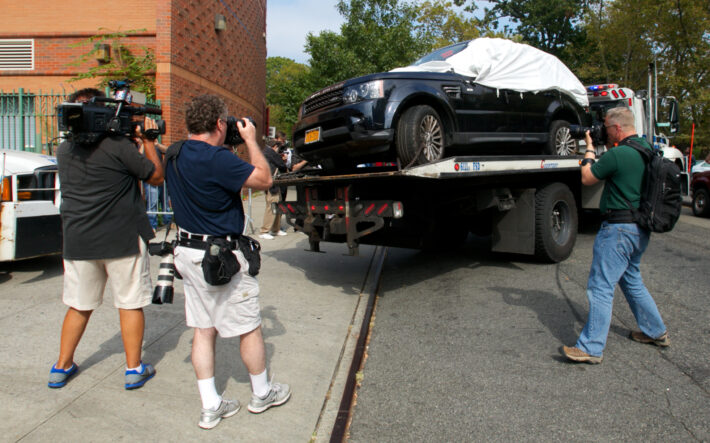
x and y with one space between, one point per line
219 264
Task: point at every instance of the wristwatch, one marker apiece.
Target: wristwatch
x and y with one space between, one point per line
587 161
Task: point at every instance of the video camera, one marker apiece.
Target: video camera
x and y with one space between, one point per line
597 131
89 122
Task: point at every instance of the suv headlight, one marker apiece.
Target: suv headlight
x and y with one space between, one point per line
364 91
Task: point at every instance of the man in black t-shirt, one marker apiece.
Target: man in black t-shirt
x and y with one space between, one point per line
105 231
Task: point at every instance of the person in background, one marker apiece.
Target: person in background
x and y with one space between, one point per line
272 222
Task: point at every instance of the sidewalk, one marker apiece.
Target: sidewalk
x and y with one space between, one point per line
309 301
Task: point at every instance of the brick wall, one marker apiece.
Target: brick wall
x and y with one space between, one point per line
192 57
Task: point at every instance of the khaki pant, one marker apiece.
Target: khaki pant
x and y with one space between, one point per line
272 222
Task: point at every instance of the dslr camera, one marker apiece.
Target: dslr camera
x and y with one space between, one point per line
163 292
233 137
89 122
597 131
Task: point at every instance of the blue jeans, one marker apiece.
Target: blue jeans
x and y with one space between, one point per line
155 195
617 255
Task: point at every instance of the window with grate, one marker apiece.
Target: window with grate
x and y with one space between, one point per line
16 54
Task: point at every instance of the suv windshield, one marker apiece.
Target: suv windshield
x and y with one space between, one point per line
441 54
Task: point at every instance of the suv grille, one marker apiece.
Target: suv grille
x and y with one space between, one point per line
326 98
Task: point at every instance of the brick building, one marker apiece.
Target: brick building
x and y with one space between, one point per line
200 46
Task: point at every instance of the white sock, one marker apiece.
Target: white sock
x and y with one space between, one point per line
260 385
138 369
208 393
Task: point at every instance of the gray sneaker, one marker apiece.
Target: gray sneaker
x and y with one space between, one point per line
278 395
209 418
135 379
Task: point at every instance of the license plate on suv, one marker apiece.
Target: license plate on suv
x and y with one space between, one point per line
312 136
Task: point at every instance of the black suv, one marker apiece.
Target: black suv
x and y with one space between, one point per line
420 117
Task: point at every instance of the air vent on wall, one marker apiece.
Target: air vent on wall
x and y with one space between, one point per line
16 54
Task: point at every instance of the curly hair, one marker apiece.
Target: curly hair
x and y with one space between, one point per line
202 113
84 94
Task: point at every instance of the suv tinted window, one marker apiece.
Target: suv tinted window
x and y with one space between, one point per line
441 54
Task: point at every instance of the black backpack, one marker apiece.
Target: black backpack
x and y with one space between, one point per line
661 200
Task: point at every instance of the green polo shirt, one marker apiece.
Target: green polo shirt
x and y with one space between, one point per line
624 166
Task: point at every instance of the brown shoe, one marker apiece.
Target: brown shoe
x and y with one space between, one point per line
576 354
663 341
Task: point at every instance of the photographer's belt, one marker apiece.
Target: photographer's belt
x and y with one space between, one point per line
200 241
618 216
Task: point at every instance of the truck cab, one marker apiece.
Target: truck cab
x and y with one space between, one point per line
30 224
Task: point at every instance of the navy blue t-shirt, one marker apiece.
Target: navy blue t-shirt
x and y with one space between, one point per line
213 176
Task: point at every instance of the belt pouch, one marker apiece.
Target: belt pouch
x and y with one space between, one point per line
250 248
219 263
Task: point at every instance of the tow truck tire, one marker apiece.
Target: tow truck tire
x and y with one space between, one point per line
560 141
555 222
701 203
420 131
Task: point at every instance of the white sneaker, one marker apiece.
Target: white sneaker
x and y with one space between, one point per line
266 236
281 233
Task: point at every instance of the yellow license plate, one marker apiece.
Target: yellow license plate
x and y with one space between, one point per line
312 135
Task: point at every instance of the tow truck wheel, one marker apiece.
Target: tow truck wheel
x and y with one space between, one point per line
560 141
555 222
701 203
420 135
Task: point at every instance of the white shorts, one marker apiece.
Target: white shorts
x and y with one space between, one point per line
233 309
128 278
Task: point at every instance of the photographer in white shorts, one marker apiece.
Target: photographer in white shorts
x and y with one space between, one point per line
204 182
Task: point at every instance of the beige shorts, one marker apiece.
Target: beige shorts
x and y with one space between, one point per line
233 309
128 278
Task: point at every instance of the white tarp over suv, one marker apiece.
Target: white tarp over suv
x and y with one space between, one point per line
504 64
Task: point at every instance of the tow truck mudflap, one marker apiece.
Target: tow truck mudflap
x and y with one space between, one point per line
340 219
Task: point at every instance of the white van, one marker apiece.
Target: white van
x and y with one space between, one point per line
30 225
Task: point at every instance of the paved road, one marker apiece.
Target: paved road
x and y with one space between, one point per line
465 347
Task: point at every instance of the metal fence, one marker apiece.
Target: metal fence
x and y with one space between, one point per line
28 120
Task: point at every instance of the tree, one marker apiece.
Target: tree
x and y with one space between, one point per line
378 35
626 35
122 63
550 25
287 84
439 25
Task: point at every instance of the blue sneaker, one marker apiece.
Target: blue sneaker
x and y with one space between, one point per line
137 378
59 377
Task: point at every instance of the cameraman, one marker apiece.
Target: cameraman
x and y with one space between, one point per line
105 231
204 182
619 244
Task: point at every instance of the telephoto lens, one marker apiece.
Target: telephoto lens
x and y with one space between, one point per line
163 292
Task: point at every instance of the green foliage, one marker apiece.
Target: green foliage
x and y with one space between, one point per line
378 35
626 35
123 63
439 25
550 25
287 84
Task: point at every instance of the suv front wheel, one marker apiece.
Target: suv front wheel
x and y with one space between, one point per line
420 136
560 141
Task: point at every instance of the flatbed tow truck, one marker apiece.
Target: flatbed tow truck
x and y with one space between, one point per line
527 204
